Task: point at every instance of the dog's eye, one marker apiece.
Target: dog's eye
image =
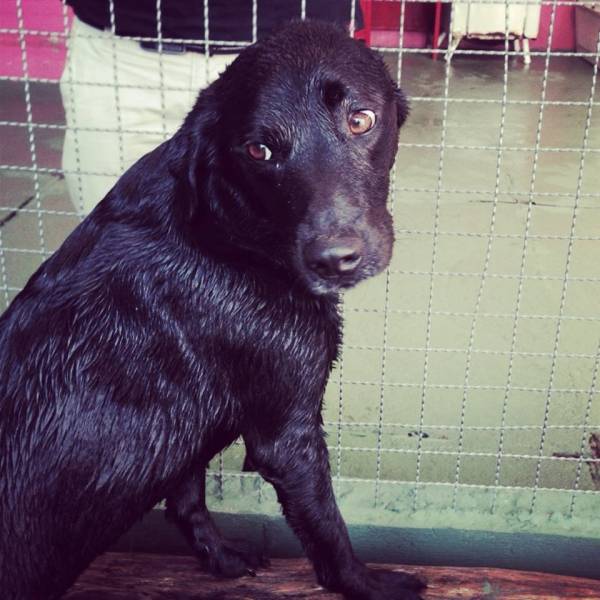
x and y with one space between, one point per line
361 121
258 151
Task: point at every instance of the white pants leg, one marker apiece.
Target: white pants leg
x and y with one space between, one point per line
121 102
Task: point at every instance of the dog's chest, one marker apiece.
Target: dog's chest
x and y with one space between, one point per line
254 342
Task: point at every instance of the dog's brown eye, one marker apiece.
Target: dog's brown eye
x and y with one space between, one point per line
258 151
361 121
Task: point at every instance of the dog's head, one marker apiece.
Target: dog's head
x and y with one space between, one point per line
307 127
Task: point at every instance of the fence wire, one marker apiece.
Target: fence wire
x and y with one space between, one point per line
472 362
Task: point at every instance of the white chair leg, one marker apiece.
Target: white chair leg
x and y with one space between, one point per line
526 51
453 45
517 44
441 39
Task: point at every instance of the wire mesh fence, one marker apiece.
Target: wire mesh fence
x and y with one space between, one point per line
472 364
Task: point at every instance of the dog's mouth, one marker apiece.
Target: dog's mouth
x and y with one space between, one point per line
322 287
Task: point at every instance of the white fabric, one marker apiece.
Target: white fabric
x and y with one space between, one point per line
113 85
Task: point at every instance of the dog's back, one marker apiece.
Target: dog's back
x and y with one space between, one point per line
84 440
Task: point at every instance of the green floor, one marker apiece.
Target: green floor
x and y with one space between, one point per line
496 407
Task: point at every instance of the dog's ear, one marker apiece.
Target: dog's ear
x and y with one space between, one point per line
197 150
195 159
188 171
402 106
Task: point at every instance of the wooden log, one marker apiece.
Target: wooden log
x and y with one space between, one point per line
119 576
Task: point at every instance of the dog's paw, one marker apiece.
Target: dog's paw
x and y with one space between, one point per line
396 585
230 560
388 585
397 579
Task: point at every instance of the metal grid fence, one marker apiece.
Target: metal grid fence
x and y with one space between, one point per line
472 364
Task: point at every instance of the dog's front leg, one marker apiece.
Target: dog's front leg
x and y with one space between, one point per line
186 507
296 462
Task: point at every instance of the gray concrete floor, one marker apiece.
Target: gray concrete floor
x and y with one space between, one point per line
477 377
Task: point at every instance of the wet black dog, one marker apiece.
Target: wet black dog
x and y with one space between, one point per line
197 303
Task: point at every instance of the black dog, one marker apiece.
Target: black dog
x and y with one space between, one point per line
198 303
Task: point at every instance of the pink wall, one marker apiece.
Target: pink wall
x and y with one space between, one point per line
45 53
563 37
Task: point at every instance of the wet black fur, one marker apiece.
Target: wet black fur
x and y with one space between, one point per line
181 314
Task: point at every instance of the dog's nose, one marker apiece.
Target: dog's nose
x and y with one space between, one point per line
331 258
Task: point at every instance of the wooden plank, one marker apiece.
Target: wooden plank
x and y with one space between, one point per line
119 576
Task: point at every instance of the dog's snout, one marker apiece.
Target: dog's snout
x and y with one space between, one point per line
331 258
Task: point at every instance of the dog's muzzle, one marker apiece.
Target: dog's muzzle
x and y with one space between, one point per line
333 262
334 259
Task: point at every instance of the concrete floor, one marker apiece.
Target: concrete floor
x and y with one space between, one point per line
468 394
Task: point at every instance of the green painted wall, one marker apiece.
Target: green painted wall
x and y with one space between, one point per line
392 532
565 555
